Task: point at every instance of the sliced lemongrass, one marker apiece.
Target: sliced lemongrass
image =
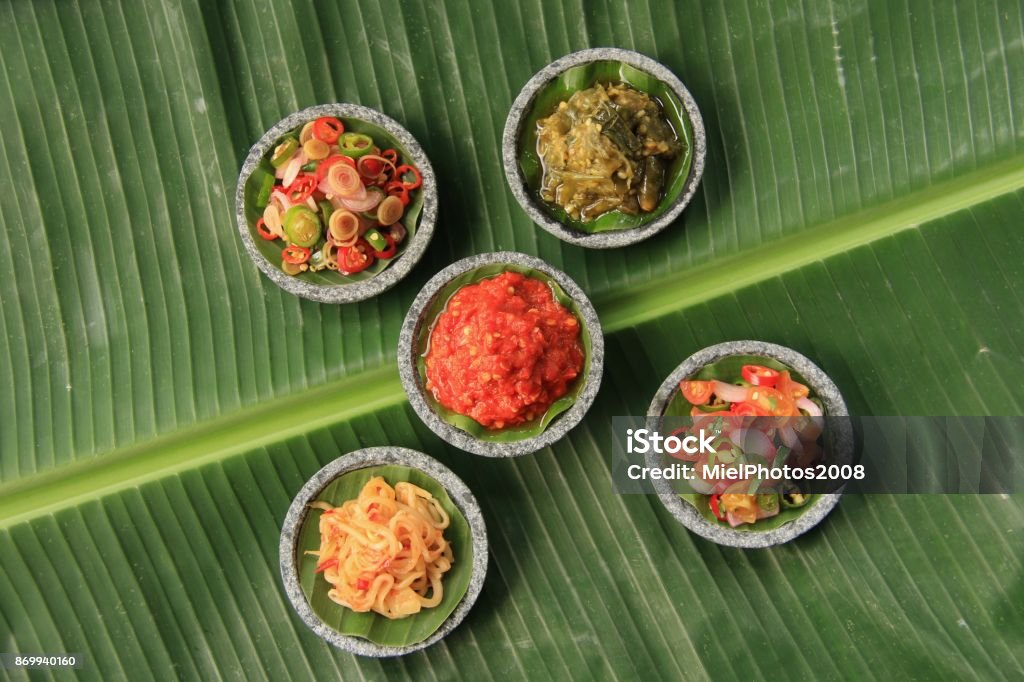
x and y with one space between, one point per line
343 224
307 133
330 255
344 181
316 149
390 211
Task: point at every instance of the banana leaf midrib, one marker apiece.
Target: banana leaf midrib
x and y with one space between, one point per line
217 439
334 401
634 305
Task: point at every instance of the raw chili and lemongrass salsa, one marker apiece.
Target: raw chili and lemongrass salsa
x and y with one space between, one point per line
335 200
763 416
605 149
503 350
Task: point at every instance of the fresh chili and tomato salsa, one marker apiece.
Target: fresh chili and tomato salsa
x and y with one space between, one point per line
503 350
763 415
335 199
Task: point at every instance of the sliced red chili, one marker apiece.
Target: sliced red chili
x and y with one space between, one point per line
296 255
406 169
261 229
302 188
328 129
759 375
362 584
397 189
716 509
390 154
357 257
370 168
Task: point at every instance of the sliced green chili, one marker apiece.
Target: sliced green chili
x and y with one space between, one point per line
354 145
376 240
792 497
326 209
301 226
266 187
284 152
794 500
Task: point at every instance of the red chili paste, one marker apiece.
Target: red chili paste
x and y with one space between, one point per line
503 350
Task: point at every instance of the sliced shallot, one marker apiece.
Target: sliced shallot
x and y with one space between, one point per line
730 393
291 170
809 406
789 438
280 195
397 232
369 202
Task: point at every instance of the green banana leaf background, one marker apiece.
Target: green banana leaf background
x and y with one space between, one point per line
162 401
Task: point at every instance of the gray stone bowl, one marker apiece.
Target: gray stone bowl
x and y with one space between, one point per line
361 459
523 104
820 385
354 291
408 353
